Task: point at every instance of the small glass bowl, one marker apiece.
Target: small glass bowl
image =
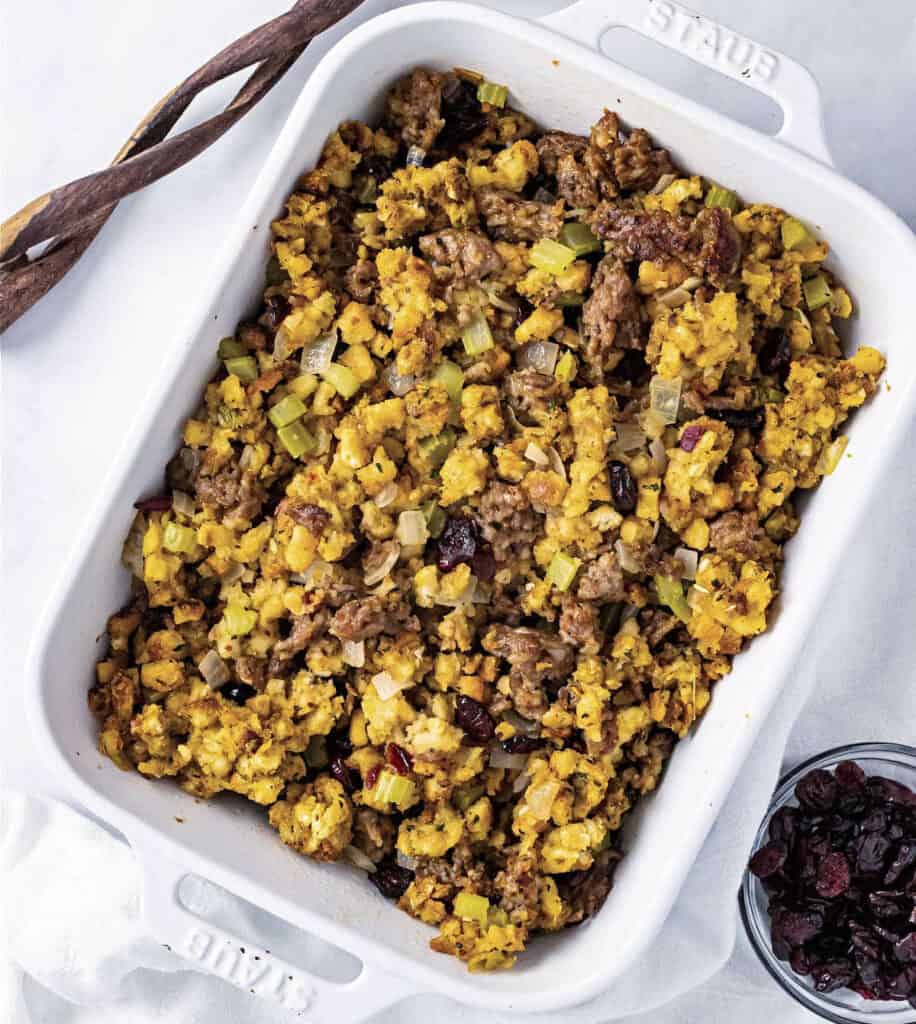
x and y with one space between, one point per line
843 1006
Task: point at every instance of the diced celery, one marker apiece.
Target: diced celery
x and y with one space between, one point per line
722 197
794 234
286 410
239 620
579 238
435 518
546 254
562 570
182 540
831 455
435 449
817 292
671 592
342 378
451 377
566 368
231 348
471 906
498 916
392 788
464 796
490 92
368 190
476 336
243 367
296 439
569 299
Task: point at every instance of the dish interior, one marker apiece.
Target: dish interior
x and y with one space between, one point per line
560 85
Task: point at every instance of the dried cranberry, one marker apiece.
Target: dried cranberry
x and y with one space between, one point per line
623 487
775 354
391 879
238 693
522 744
739 419
904 858
276 310
159 503
344 774
905 949
372 775
817 790
474 718
891 791
885 904
483 564
798 926
339 745
398 758
783 823
832 974
849 775
832 875
871 852
690 436
768 859
458 542
462 112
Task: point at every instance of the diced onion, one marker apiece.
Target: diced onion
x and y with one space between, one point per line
380 571
665 397
536 455
386 495
282 341
523 725
692 283
353 653
540 356
482 593
190 461
543 195
663 182
830 457
625 557
214 670
688 559
312 575
183 503
358 859
411 529
630 437
541 799
415 156
521 783
386 686
322 440
404 861
674 298
659 456
397 384
132 552
233 574
556 463
500 759
495 299
317 356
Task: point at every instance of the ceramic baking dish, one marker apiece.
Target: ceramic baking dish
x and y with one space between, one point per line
557 73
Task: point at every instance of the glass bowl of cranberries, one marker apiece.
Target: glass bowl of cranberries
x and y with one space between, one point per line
829 897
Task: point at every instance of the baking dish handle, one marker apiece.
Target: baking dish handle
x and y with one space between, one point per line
789 84
258 971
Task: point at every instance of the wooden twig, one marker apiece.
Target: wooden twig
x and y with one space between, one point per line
72 215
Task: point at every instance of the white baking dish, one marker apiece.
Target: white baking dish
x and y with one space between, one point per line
562 83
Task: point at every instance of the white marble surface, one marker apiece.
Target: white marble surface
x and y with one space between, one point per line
74 79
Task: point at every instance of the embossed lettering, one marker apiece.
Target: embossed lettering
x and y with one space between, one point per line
710 41
660 15
251 972
766 66
197 943
738 50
